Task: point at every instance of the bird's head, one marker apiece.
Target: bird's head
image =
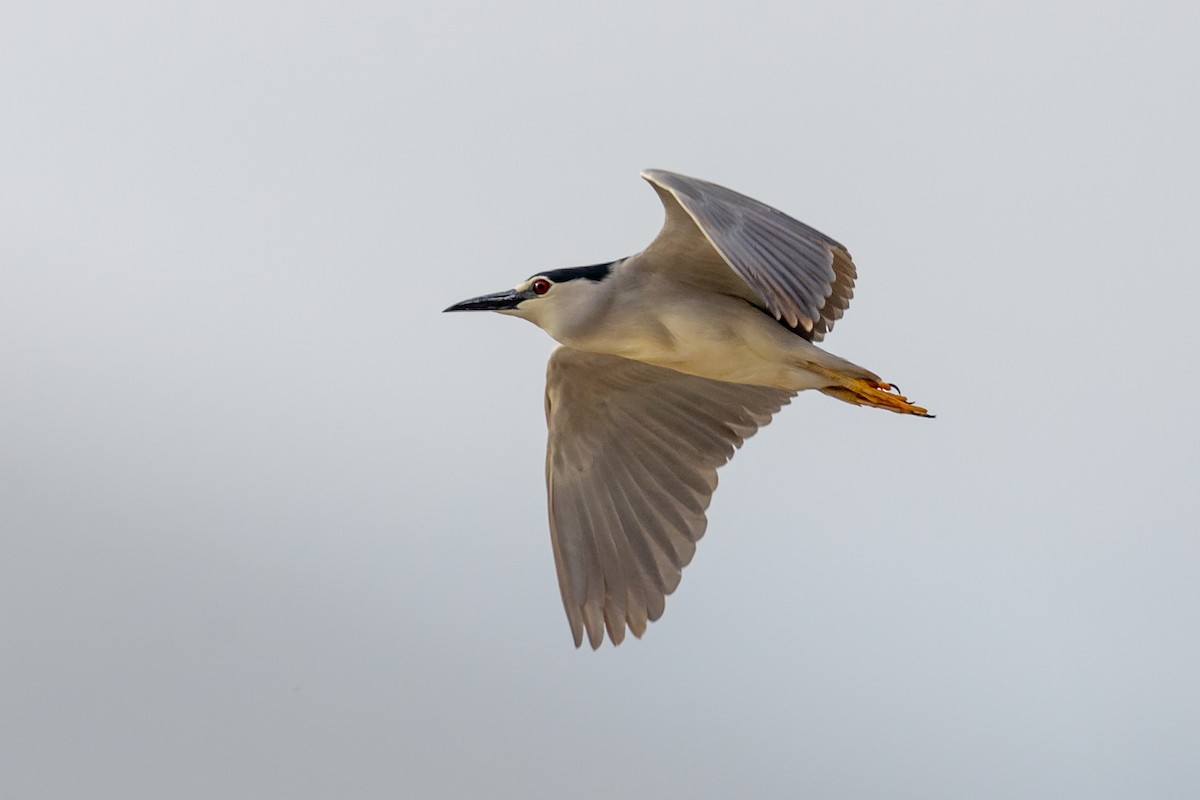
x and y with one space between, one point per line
555 301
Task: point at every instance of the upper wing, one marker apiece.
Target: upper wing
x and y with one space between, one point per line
797 273
631 465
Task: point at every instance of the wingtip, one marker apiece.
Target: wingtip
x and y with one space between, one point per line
658 177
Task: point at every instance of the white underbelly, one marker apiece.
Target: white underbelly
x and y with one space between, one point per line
726 341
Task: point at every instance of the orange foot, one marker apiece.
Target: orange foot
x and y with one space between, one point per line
877 395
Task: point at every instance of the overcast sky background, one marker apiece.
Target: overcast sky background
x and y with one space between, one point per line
273 526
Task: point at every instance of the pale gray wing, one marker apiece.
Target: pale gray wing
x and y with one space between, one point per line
795 272
631 465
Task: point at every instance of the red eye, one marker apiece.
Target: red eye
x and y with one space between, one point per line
540 286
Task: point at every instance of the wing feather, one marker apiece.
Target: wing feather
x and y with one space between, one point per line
725 241
631 465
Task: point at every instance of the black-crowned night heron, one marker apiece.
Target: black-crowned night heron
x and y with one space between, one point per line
670 359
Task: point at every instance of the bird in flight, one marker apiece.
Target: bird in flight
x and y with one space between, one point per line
669 360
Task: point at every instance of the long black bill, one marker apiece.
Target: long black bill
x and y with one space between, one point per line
498 301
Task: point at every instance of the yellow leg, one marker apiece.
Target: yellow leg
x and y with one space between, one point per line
875 394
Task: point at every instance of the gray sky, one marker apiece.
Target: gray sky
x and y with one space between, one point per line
272 526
